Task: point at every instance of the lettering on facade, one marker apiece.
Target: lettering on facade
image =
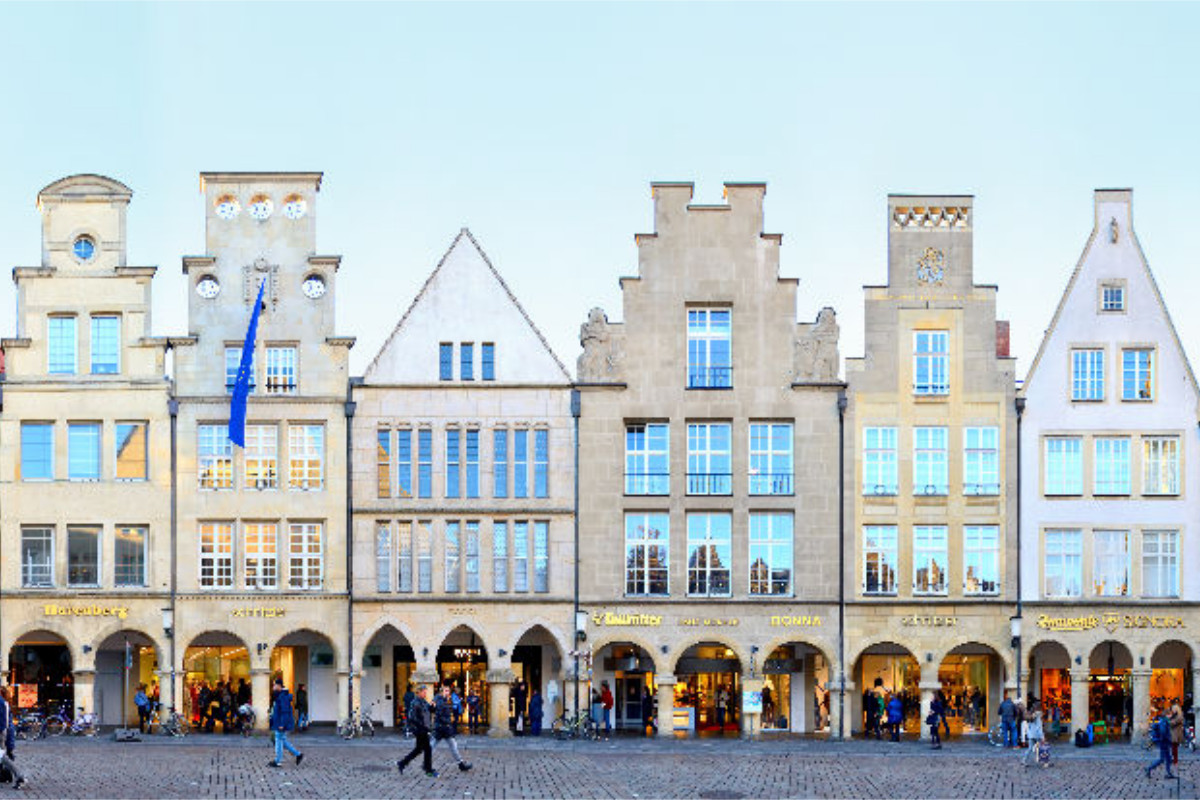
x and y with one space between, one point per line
611 619
795 621
461 612
55 610
710 622
1109 620
929 621
263 613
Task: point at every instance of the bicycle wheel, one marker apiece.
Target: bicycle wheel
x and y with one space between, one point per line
55 726
590 730
368 727
996 736
346 729
559 728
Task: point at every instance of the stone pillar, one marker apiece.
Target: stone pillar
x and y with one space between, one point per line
846 693
665 695
1080 715
928 688
1195 682
499 681
1141 701
260 693
84 698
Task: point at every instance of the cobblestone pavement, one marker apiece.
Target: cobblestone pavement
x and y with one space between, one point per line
218 767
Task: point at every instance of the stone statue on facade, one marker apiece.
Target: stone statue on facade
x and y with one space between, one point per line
816 349
601 357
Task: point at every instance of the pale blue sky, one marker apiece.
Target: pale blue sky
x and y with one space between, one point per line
540 126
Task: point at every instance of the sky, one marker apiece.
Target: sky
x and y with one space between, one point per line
540 126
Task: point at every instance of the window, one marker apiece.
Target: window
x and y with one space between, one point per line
404 462
129 556
106 345
929 559
404 557
771 554
450 550
1087 374
1112 297
281 370
214 456
305 556
487 357
473 462
37 451
425 462
930 363
83 556
879 559
471 556
880 475
83 451
710 469
216 555
1064 563
37 557
1064 466
981 461
647 545
62 341
1160 563
647 458
260 562
499 557
132 449
424 557
1110 564
261 456
710 364
1160 465
931 475
446 361
1137 374
383 557
1111 470
541 556
520 463
981 559
541 463
452 464
500 463
520 551
383 463
233 363
771 458
84 248
709 554
466 353
306 448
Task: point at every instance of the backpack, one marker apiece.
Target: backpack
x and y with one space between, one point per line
1081 738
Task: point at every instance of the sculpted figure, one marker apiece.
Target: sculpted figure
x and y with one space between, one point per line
816 354
601 350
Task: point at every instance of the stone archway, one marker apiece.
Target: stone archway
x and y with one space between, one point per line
627 669
389 667
972 678
40 670
796 695
124 660
709 688
307 662
212 662
881 671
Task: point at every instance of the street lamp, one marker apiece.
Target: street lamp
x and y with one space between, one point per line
168 622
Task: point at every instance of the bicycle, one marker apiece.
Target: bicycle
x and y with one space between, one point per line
56 724
579 725
358 724
173 725
29 724
995 735
85 724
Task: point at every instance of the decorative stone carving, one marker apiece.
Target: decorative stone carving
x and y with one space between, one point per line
816 352
1113 230
602 349
253 274
931 216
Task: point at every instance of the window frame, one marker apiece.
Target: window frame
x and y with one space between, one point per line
500 462
96 532
466 361
85 439
141 565
1066 556
451 557
641 458
383 557
520 557
930 542
1168 562
704 456
770 482
144 425
1165 462
260 556
541 556
876 461
886 550
640 573
233 366
445 361
220 560
1062 469
706 540
500 582
977 549
1087 375
46 535
981 461
470 557
1107 464
1141 375
424 462
704 336
262 454
214 457
487 359
931 461
933 364
281 361
306 457
28 445
305 556
453 464
56 340
404 556
768 544
520 462
1101 554
99 334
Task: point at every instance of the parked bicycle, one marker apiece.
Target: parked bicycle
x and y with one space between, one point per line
29 724
579 725
85 724
996 735
168 724
358 724
56 724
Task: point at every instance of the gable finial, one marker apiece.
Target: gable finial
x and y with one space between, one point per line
1113 230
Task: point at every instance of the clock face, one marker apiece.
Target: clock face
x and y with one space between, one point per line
313 286
261 208
228 207
295 207
84 248
208 287
931 266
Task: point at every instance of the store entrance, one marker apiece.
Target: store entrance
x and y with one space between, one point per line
971 676
124 661
885 671
708 688
216 678
795 690
1050 682
628 670
1110 697
305 661
39 670
1170 675
462 661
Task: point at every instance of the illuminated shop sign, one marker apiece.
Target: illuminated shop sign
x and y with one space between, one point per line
56 610
1108 620
266 613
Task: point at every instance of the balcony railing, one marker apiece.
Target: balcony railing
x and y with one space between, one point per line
710 377
981 489
653 483
710 483
771 483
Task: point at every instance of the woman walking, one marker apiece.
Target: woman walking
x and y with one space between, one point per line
1034 733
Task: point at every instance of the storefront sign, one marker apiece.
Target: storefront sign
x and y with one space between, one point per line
795 621
1108 620
266 613
929 621
55 610
467 653
709 622
612 620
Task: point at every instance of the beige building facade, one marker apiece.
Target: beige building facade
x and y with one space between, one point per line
708 506
85 559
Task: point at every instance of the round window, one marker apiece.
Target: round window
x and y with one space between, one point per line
85 248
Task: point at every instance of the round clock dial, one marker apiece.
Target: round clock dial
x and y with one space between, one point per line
208 287
261 208
313 286
84 248
228 207
295 207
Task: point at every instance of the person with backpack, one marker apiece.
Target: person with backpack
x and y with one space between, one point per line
282 721
1008 721
8 735
443 726
1160 733
418 720
1034 734
936 715
473 710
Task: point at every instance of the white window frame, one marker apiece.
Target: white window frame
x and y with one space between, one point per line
710 467
882 542
260 556
771 468
931 363
647 458
1111 466
260 457
471 459
306 556
306 457
282 371
541 556
1064 466
453 476
424 547
471 556
452 556
383 557
881 474
214 457
215 545
500 557
1087 375
1110 548
931 463
404 556
57 342
1116 301
981 560
1137 379
49 459
520 556
1063 562
709 538
31 572
642 577
981 460
144 426
87 437
771 552
1160 554
120 532
233 363
97 324
1160 465
931 553
703 332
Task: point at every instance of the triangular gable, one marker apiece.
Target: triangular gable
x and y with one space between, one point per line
465 300
1087 273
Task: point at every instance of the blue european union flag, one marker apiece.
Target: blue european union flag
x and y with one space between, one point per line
241 388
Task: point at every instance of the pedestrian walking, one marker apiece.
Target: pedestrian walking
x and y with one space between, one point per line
418 721
1160 732
456 706
301 707
936 712
1008 721
649 723
606 700
443 726
1175 720
1033 734
473 710
8 735
282 721
722 699
142 703
535 713
895 715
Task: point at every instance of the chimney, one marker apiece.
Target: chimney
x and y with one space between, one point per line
1001 338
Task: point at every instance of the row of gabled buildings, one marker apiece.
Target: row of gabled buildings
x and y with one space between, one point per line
708 515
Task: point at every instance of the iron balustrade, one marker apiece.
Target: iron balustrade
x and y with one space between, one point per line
771 483
710 377
981 489
710 483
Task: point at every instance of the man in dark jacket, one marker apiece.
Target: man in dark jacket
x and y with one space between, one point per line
1008 721
282 721
8 735
418 721
443 725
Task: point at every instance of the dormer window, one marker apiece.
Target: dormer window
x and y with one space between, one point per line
1112 297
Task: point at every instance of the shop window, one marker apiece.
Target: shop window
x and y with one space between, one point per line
710 353
306 453
83 556
260 457
132 451
260 561
930 546
647 546
214 454
710 465
981 559
37 557
770 458
216 555
709 553
1064 466
129 555
1160 465
305 556
37 451
1063 568
647 458
879 559
1110 564
880 475
1160 563
981 461
83 451
1087 375
1111 475
770 554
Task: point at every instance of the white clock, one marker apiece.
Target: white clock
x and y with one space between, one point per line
313 286
208 287
261 207
228 207
294 207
